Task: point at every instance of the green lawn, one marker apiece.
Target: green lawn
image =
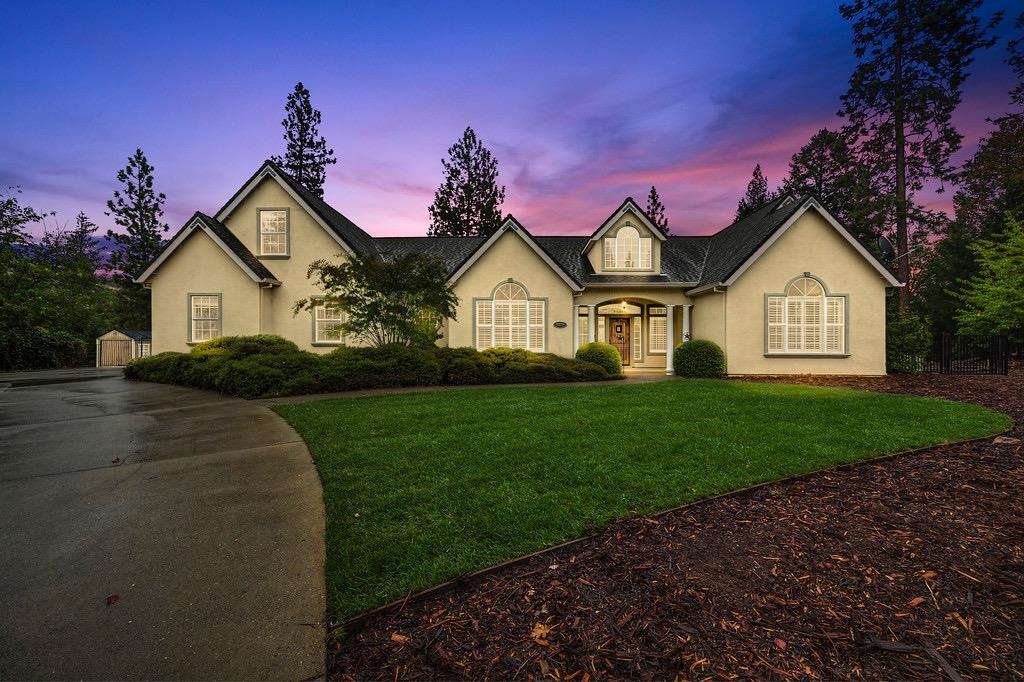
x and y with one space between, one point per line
422 487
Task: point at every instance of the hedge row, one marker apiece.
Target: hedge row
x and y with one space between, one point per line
269 366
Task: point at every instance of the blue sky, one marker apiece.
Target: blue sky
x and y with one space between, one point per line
582 103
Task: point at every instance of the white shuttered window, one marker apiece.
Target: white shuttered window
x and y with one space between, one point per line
657 338
627 250
638 338
805 320
510 319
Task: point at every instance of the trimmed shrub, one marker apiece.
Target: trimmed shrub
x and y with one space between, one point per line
267 366
603 354
699 358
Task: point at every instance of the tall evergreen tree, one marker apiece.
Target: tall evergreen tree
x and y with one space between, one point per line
468 202
137 209
656 211
912 61
993 300
756 196
306 155
827 168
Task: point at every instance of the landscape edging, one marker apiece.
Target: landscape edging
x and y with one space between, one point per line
354 623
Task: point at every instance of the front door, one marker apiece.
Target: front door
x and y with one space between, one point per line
619 337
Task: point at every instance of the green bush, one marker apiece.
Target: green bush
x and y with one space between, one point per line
907 339
267 366
603 354
698 358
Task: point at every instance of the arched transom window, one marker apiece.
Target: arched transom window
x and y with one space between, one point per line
627 250
806 320
510 319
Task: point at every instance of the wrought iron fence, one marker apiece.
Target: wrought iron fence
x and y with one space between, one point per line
961 354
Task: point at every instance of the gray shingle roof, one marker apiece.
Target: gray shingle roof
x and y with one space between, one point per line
137 334
731 246
236 246
350 233
453 251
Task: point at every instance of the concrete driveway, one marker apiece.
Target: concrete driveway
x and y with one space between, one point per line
202 514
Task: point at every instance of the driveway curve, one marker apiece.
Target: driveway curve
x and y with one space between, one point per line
153 531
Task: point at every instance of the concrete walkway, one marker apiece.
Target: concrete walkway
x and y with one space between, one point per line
199 517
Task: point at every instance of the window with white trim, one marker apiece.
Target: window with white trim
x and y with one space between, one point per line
627 250
638 338
144 350
657 334
273 232
806 320
583 326
205 317
327 321
510 319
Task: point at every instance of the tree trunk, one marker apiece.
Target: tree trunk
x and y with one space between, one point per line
902 235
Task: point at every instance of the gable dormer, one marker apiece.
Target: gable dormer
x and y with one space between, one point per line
626 243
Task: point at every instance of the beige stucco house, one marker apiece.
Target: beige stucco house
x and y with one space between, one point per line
785 290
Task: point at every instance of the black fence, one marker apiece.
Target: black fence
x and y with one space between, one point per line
962 354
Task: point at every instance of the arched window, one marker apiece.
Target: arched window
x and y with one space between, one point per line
806 320
627 250
510 319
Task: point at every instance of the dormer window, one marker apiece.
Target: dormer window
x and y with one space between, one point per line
273 223
627 250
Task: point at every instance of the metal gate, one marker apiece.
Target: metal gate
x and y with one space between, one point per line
962 354
115 352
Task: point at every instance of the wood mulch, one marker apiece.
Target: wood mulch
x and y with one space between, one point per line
911 567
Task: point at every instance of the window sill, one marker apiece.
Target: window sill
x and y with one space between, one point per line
807 355
281 257
327 343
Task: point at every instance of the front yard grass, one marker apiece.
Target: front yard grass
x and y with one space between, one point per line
422 487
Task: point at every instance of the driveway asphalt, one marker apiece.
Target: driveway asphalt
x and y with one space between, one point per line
153 531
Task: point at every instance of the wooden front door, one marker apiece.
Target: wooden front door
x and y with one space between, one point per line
618 336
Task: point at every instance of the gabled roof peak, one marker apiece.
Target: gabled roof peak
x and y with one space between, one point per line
628 204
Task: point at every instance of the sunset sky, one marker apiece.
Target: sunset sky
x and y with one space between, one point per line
582 103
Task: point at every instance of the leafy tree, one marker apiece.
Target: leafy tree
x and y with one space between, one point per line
401 300
61 246
306 155
13 219
656 211
756 196
993 301
828 168
907 339
944 275
913 58
136 208
468 202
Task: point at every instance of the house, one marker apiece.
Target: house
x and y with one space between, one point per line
785 290
118 346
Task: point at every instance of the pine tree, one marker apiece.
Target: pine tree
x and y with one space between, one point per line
306 156
913 58
656 211
63 247
756 196
827 168
468 202
136 208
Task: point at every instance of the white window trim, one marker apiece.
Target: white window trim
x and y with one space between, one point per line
317 341
614 256
823 324
263 253
638 339
651 348
485 333
192 319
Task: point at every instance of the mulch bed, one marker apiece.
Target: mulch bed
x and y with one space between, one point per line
911 567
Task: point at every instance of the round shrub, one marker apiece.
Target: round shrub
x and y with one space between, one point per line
244 346
602 354
699 358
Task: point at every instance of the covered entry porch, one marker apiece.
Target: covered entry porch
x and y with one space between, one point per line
644 330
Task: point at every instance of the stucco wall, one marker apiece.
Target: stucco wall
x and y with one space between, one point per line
708 318
810 245
511 257
308 241
596 254
200 266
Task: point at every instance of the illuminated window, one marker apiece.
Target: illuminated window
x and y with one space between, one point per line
510 319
